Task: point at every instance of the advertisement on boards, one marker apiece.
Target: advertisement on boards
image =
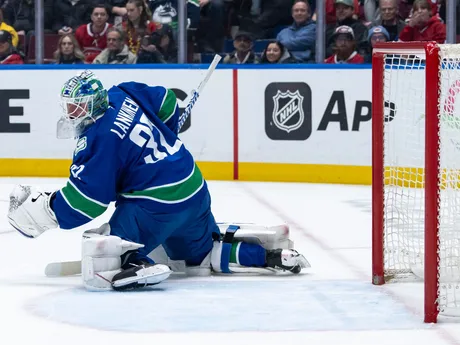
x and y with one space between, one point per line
8 112
305 116
30 109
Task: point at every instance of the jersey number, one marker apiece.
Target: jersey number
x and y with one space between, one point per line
160 151
76 170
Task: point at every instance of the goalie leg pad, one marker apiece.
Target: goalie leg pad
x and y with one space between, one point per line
30 212
101 257
222 252
253 257
269 237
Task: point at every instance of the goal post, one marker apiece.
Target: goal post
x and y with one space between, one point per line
416 170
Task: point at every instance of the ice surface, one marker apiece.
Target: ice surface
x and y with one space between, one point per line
332 303
256 305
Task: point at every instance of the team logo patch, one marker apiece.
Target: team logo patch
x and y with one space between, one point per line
288 111
81 145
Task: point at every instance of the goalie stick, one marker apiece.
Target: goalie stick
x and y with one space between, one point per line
196 93
66 268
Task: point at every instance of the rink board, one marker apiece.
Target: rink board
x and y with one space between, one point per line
302 124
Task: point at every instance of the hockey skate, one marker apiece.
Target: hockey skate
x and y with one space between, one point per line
286 259
139 276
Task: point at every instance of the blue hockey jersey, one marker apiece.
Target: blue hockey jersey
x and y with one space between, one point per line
132 153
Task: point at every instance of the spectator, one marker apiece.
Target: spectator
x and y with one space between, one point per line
389 19
165 12
405 7
20 14
92 37
376 34
210 34
8 53
68 15
276 52
345 47
243 53
68 51
423 25
370 10
300 37
273 13
330 11
117 11
161 48
117 51
138 25
344 13
10 29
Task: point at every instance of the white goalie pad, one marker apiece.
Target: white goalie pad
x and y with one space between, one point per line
30 212
268 236
101 257
275 239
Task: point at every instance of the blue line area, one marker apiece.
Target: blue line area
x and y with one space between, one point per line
223 305
184 66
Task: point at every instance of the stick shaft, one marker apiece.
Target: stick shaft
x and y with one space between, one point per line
64 268
196 93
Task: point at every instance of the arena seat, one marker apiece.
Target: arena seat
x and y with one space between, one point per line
51 42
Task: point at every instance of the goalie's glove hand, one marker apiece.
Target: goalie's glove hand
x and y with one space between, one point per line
30 212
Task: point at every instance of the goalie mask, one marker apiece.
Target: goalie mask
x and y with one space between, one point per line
83 101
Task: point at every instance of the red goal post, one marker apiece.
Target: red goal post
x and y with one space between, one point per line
416 170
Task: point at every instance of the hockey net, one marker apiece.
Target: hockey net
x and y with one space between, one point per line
416 170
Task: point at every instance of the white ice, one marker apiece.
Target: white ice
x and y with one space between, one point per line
332 303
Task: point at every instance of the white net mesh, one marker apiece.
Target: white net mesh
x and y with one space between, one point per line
404 153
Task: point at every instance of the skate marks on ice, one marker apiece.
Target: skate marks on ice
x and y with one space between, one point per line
364 205
216 305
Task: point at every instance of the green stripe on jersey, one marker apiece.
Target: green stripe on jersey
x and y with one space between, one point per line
81 203
167 106
172 193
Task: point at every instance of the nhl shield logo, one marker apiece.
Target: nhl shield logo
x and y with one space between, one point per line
287 110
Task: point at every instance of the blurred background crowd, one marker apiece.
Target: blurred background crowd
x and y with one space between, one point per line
243 31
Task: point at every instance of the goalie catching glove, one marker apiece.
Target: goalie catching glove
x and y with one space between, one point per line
30 212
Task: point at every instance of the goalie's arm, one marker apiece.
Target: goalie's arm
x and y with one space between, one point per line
87 194
91 185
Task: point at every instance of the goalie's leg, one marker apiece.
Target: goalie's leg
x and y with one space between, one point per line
243 257
252 245
102 257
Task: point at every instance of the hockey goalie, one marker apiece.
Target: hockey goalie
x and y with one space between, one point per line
128 151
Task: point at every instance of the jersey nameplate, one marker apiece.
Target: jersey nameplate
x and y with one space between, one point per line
125 117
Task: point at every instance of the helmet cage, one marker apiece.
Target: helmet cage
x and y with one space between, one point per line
83 101
77 115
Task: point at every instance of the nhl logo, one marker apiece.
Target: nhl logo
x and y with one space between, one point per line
287 111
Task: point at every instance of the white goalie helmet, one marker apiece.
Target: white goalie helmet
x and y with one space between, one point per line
83 101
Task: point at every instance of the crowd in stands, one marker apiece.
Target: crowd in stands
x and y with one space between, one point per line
244 31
